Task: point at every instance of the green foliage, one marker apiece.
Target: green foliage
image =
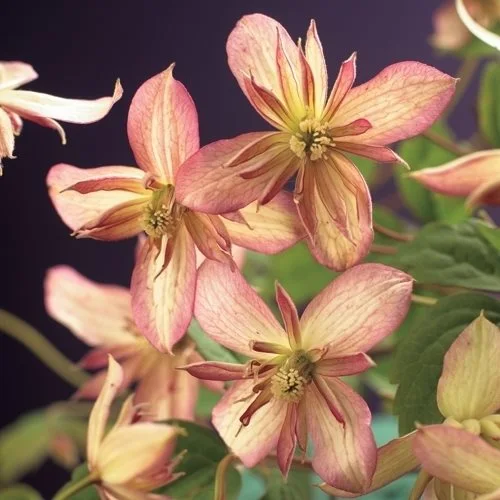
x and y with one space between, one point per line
489 104
453 255
20 492
297 486
206 401
367 167
492 234
88 493
203 450
419 357
476 48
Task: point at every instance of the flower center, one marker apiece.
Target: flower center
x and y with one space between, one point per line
488 427
162 215
292 377
311 140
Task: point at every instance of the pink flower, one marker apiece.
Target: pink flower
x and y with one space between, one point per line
101 316
44 109
131 459
288 88
116 202
475 176
291 388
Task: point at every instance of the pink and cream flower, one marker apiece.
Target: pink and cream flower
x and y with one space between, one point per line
132 458
315 132
43 109
101 316
116 202
291 388
475 176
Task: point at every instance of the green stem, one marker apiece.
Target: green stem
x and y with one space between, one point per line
445 143
385 249
220 477
421 299
68 490
32 339
395 235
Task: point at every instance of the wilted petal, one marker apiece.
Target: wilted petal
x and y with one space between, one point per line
458 457
272 228
76 209
469 386
335 208
6 136
287 440
357 310
401 101
316 60
163 125
475 28
230 311
344 452
214 370
204 182
100 411
345 365
96 313
129 451
13 74
255 441
162 299
27 104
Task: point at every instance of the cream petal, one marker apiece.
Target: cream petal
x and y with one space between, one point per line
6 137
13 74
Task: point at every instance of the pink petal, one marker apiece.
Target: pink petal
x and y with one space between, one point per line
163 126
289 314
76 209
97 314
13 74
487 194
100 412
469 386
335 208
381 154
400 102
204 182
230 311
394 460
345 365
344 453
463 176
316 60
27 103
272 228
98 357
162 302
357 310
458 457
251 49
214 370
255 441
287 440
6 137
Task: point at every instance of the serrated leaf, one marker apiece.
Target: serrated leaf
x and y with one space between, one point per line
297 486
489 104
20 492
419 358
454 255
208 348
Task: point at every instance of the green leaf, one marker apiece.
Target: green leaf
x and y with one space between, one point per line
476 48
88 493
204 450
297 486
419 358
454 255
206 401
492 234
23 446
489 104
20 492
368 168
208 348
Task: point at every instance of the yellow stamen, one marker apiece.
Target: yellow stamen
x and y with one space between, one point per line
290 381
311 140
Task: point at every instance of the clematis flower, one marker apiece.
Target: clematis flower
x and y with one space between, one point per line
132 458
116 202
450 32
475 176
464 465
101 316
291 388
288 88
43 109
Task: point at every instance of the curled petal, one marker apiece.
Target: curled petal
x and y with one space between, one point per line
231 312
377 153
345 365
443 451
162 298
26 103
13 74
344 452
357 310
289 315
97 314
469 386
6 136
287 441
214 370
487 194
316 60
273 228
400 102
335 208
163 125
76 209
253 442
492 39
100 411
357 127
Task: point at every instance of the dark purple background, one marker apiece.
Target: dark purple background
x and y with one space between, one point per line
79 49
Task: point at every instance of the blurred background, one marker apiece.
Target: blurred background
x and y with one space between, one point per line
79 49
